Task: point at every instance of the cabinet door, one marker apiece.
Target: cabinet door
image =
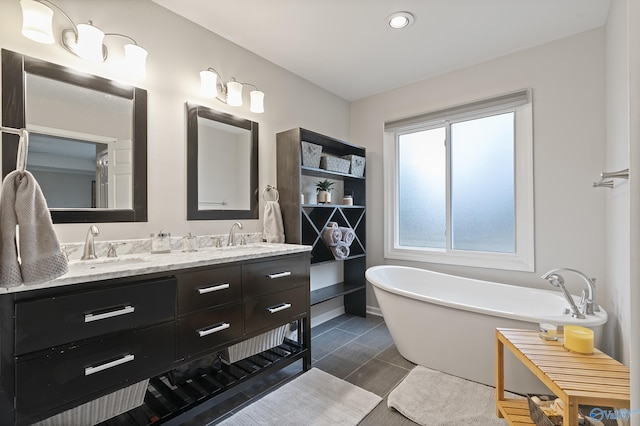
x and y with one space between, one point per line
206 330
54 321
272 310
205 289
274 275
80 371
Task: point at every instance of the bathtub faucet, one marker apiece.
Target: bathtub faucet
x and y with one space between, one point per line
556 280
591 304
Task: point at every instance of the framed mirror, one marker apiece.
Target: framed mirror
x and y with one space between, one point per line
88 139
222 165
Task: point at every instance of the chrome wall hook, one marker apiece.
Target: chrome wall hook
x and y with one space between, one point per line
607 178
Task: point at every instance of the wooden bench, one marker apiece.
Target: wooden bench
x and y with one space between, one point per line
596 379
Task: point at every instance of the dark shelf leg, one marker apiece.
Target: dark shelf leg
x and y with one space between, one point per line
356 303
306 336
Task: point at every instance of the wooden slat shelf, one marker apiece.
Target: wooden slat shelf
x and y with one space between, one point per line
336 290
517 412
312 171
575 378
165 402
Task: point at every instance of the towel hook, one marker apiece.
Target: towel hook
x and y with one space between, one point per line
23 146
269 188
606 178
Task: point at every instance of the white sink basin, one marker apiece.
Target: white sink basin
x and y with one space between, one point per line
105 261
245 247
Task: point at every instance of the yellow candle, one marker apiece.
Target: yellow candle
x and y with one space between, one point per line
578 339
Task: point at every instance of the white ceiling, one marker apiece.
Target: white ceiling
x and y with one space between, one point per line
346 46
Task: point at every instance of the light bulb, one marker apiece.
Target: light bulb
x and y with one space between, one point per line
135 58
89 43
37 21
209 84
257 101
234 93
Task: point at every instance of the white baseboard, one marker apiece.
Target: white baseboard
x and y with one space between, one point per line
326 316
374 310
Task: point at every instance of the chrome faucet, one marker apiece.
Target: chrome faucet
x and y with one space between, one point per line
89 247
591 304
556 280
231 241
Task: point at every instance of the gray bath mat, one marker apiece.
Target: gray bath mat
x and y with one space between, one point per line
432 398
314 398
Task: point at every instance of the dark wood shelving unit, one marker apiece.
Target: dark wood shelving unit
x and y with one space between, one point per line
329 292
304 223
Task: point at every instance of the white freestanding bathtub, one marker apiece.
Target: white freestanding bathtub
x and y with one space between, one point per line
448 323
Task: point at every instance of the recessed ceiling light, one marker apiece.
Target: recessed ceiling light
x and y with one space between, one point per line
400 20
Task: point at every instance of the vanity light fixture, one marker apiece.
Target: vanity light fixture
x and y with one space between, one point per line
83 40
212 85
400 20
135 56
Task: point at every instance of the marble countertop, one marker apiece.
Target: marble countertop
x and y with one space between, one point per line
133 264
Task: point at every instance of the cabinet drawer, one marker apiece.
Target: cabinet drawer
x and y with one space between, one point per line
208 329
274 275
53 321
274 309
205 289
80 371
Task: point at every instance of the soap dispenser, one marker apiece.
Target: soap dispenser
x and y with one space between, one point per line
161 242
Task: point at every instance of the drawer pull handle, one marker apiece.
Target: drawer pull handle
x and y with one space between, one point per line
213 288
110 314
279 308
106 365
214 329
279 275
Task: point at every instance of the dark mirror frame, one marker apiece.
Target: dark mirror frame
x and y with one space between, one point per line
193 213
15 66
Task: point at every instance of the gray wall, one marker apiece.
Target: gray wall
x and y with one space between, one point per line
178 51
568 82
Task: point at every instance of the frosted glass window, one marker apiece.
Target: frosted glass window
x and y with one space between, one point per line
482 184
422 215
459 185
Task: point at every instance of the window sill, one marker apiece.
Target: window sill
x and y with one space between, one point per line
503 261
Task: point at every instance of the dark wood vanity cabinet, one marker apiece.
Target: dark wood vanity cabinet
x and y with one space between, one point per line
209 309
208 288
56 320
68 374
61 347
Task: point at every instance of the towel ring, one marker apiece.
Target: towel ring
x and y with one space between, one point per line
268 188
23 146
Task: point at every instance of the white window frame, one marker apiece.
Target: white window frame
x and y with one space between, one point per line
524 257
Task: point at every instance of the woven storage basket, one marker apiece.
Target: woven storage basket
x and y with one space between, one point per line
101 409
255 345
357 164
310 154
538 416
335 164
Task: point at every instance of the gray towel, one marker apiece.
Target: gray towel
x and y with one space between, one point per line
340 251
273 231
35 256
331 235
348 235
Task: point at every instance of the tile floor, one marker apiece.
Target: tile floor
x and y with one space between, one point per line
361 351
358 350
